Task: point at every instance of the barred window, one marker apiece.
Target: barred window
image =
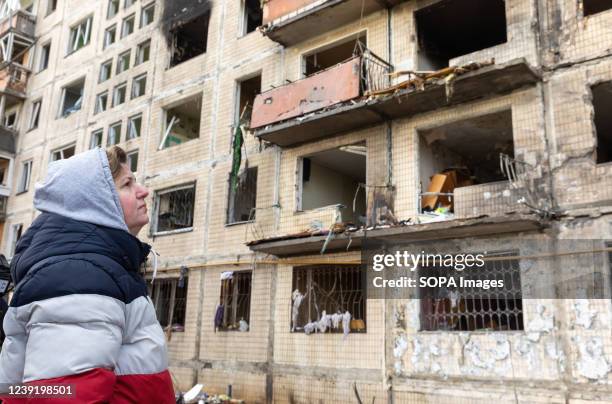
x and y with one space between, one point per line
242 197
333 289
235 300
474 308
174 209
169 296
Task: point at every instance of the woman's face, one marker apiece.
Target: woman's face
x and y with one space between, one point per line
132 197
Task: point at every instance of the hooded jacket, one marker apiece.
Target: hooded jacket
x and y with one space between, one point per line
80 314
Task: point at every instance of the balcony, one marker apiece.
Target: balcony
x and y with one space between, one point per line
328 103
13 82
21 23
289 22
295 102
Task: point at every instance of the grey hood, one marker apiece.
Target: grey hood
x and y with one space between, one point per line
81 188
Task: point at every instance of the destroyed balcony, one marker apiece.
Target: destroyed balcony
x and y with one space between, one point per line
297 101
339 100
20 23
13 82
289 22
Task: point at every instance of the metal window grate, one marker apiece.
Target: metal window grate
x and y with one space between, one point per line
236 300
170 301
242 199
334 289
470 309
175 209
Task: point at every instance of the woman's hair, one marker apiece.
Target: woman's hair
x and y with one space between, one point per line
116 156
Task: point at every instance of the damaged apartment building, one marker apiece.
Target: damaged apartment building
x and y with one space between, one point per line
278 137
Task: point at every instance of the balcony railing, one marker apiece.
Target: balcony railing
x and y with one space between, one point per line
336 85
14 79
20 22
289 22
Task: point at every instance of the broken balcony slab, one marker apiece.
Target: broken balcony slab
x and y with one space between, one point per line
20 22
289 22
362 112
474 227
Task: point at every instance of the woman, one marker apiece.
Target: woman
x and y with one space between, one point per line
80 315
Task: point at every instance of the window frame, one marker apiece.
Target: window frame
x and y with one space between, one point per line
138 58
61 150
26 176
111 128
115 11
106 43
46 54
143 13
62 114
92 144
124 24
233 193
34 120
172 306
16 234
129 156
136 84
153 228
51 7
98 107
103 67
116 90
73 38
123 56
130 127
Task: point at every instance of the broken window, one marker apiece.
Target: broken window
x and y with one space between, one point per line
243 197
101 102
143 52
16 231
106 70
132 161
247 91
128 25
72 98
51 6
474 308
460 154
10 120
182 123
602 104
123 61
253 16
235 301
174 209
596 6
26 174
119 94
114 134
139 85
469 26
330 290
331 177
113 8
110 35
96 139
35 115
134 125
169 297
331 55
147 15
45 52
80 35
189 39
63 153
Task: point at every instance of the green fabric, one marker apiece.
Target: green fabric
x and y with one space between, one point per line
236 157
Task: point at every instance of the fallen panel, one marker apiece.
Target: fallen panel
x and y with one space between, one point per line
357 114
289 22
